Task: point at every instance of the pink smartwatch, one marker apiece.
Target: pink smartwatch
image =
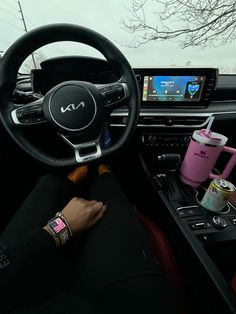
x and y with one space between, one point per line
60 228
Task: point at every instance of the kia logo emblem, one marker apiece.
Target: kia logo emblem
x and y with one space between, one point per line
72 107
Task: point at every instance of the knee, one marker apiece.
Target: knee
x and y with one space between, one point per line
49 180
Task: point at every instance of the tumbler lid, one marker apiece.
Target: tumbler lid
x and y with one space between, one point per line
209 138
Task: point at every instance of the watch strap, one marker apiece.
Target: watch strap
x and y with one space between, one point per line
59 214
60 228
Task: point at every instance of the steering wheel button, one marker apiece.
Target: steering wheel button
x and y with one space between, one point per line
25 113
31 107
26 121
104 95
104 89
39 119
20 109
19 114
108 101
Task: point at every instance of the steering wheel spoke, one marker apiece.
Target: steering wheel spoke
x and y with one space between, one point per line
29 114
84 152
113 95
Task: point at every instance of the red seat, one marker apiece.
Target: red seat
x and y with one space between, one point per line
166 257
233 284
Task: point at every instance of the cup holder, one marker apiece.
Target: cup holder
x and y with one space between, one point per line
225 210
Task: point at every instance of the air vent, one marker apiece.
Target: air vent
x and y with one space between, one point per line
190 121
162 120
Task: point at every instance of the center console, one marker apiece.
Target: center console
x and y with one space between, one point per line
207 226
211 235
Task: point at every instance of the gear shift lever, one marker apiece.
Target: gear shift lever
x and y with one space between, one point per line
165 163
169 161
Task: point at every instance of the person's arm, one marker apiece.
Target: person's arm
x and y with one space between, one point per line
17 256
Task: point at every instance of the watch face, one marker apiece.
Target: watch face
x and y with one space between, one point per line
57 225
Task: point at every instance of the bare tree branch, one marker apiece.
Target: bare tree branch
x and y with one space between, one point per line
189 22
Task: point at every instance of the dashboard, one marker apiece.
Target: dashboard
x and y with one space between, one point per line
173 100
159 87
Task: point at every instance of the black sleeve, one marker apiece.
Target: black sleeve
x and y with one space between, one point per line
18 259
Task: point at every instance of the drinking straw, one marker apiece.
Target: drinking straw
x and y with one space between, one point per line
207 132
210 123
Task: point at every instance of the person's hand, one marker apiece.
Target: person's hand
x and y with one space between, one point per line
82 214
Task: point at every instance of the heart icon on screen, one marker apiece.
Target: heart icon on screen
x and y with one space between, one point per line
193 88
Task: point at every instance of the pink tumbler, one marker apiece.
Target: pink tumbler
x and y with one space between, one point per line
201 156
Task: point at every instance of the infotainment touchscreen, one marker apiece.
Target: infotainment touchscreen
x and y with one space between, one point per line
173 88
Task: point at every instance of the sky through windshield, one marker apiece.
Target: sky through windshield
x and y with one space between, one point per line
104 16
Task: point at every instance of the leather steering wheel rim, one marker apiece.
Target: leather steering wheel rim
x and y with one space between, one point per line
35 39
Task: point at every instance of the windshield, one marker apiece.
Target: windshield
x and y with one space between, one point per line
149 33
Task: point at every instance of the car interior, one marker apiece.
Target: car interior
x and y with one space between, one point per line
64 113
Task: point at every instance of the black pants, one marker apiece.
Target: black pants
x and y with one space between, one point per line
111 262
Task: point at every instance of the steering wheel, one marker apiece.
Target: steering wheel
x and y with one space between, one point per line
76 110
